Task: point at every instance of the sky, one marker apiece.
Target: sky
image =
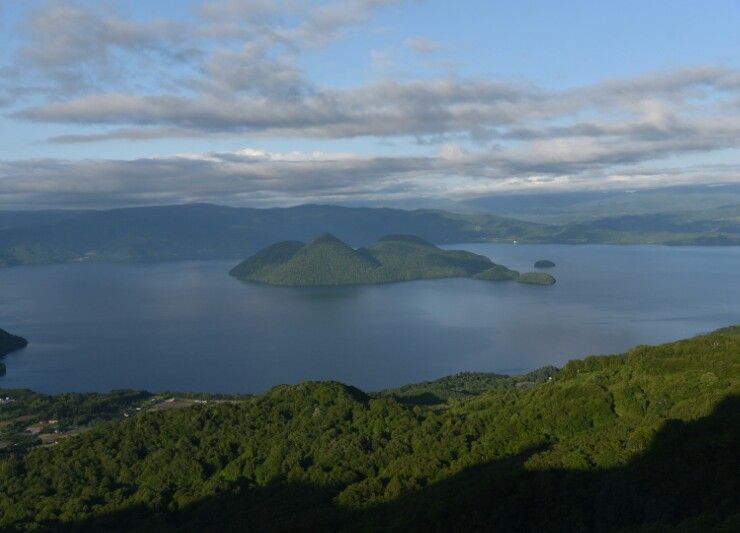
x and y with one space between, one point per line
257 102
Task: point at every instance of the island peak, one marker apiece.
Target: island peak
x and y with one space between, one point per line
328 261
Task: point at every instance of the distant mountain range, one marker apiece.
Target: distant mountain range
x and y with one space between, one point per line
205 231
329 261
693 201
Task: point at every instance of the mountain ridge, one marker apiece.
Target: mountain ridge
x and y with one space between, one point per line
210 231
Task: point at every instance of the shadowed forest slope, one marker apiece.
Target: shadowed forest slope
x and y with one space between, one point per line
646 441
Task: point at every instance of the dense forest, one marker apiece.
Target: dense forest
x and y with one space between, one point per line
647 441
328 261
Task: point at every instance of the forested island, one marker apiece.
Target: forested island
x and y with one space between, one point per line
544 263
536 278
646 440
9 343
328 261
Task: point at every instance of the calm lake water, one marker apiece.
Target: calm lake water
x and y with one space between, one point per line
188 326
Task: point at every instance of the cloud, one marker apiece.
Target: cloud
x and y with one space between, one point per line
690 108
247 176
257 177
240 75
289 22
330 20
381 59
385 108
234 68
423 45
72 47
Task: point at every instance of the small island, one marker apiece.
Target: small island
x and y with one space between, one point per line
497 273
328 261
9 343
544 263
536 278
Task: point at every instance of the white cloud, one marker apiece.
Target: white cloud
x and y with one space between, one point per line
258 177
423 45
235 70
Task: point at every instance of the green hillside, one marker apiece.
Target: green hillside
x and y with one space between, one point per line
266 258
405 257
644 441
325 261
329 261
465 385
497 273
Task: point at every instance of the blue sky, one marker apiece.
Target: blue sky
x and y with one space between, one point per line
272 103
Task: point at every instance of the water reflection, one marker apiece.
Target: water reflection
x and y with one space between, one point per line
189 326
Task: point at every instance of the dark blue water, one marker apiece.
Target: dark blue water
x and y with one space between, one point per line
189 326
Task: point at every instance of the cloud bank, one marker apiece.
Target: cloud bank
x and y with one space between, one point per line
257 178
234 69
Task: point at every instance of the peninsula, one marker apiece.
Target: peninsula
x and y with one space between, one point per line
9 343
329 261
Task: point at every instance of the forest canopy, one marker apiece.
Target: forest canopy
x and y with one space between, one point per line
646 439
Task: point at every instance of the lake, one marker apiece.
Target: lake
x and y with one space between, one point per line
188 326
